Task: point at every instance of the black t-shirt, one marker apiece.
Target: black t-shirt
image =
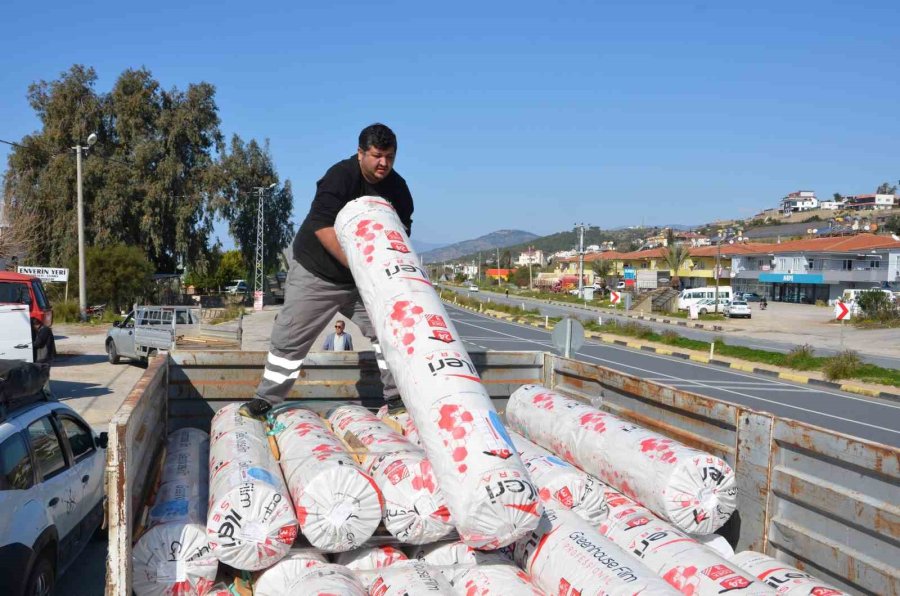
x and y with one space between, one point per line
342 183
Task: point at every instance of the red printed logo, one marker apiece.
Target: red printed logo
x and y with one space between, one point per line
638 521
443 336
396 472
399 247
393 235
564 496
717 571
734 583
436 321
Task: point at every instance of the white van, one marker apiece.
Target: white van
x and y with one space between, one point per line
15 332
693 295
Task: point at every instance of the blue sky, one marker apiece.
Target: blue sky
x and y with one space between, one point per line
518 115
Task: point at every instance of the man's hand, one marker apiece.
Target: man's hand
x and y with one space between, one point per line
328 238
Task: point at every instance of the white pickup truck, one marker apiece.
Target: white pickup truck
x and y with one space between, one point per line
15 332
149 329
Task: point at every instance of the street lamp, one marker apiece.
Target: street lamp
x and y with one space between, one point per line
82 289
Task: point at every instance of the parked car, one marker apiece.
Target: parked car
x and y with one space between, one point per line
237 286
51 491
708 305
737 308
620 285
473 288
17 288
751 297
138 336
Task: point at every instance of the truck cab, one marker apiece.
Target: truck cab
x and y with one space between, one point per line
17 288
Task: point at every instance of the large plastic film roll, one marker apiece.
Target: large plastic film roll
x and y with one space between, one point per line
562 482
251 522
406 578
173 556
338 505
415 510
369 558
277 579
565 555
491 498
494 580
683 562
783 579
696 491
319 579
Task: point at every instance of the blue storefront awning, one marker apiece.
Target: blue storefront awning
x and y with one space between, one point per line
792 278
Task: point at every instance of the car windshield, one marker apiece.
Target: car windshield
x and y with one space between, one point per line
736 303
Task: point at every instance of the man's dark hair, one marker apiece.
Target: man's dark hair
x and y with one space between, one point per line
377 135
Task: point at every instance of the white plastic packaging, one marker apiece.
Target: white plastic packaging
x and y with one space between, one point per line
561 482
173 556
491 499
783 579
696 491
173 559
286 576
337 504
403 422
251 522
415 510
320 579
565 555
406 578
369 558
494 580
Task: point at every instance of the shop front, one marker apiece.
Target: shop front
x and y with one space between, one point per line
799 288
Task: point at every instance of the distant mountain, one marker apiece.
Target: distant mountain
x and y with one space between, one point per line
488 242
423 247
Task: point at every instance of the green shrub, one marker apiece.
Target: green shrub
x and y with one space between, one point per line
801 358
65 312
843 366
877 305
670 337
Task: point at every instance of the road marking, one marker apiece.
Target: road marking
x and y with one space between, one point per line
734 372
702 384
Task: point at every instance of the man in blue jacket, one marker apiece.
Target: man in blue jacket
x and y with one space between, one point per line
338 341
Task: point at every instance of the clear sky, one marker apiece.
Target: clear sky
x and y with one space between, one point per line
521 114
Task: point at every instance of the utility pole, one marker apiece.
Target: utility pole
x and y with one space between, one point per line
260 237
530 259
82 276
479 267
719 238
580 227
498 267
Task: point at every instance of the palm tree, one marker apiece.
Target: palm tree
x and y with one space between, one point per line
675 258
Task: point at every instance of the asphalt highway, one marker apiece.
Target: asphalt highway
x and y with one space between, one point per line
868 418
556 310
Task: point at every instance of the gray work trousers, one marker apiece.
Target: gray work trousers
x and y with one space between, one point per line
309 304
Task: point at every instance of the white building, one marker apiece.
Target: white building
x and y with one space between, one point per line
833 205
801 200
873 201
534 257
470 271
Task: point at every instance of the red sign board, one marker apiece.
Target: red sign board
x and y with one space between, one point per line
614 297
841 312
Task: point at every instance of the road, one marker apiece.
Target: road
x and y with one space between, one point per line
731 337
869 418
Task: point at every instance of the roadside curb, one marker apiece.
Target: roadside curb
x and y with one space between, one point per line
744 366
640 317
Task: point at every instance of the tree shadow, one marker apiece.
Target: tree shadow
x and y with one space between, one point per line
65 390
64 360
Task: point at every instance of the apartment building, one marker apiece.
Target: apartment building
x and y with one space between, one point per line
806 271
801 200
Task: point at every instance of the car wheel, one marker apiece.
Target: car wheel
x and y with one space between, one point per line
42 578
702 311
111 352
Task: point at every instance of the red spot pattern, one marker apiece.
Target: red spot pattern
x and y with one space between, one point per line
683 579
595 421
456 424
425 479
544 401
659 449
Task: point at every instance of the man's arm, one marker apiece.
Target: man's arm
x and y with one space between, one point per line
328 238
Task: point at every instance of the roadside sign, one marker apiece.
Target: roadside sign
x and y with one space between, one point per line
568 336
46 273
257 300
614 297
841 312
